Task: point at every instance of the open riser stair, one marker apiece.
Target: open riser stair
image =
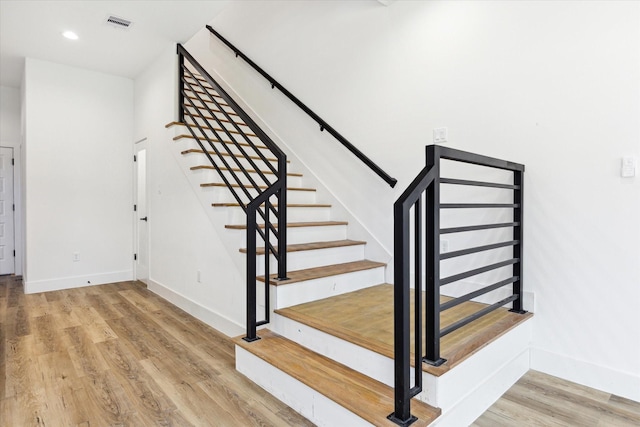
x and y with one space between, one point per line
328 347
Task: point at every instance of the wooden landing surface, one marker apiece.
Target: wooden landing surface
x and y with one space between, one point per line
365 318
362 395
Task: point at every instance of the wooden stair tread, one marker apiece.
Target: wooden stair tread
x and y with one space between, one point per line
205 84
292 224
174 123
365 318
312 246
195 98
362 395
207 107
289 205
222 184
200 167
217 129
199 151
324 271
193 87
243 144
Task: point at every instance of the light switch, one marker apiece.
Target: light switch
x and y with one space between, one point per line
439 135
629 165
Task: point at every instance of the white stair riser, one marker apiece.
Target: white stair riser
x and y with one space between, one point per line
316 258
449 389
215 124
211 175
223 195
299 235
191 143
316 234
197 159
325 287
368 362
235 215
316 407
446 392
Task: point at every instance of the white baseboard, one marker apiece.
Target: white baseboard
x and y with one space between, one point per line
36 286
609 380
200 312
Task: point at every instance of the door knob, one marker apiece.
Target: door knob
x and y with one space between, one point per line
144 219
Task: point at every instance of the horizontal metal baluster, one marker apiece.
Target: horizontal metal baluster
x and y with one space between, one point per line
221 159
238 129
231 154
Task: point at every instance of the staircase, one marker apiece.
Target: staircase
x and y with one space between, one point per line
328 351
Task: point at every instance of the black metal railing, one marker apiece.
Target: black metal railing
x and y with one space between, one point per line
408 250
249 163
323 124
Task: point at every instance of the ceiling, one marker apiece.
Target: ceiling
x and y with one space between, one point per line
34 29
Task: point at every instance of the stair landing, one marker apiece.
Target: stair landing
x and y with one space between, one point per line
365 318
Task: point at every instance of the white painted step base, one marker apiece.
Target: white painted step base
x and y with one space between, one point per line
463 393
301 398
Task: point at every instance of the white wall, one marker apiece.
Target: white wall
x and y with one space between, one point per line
182 238
78 178
9 115
553 85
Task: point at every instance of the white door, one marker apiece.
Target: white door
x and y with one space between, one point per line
7 260
141 215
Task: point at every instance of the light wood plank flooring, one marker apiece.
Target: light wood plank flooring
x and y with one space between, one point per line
538 399
118 355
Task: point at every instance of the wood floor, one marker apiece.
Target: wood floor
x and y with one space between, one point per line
118 355
541 400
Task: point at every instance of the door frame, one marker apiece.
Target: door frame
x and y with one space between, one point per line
137 147
15 171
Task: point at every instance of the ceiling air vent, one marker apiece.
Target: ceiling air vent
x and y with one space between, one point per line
118 22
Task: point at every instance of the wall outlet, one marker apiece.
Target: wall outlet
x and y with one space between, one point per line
76 256
444 246
440 135
628 167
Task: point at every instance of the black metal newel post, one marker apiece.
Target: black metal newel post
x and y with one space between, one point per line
432 291
401 318
282 220
518 197
180 92
417 291
251 274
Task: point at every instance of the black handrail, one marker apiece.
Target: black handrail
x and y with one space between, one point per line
323 124
427 185
224 125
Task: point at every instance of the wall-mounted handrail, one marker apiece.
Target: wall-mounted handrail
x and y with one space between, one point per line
323 124
235 156
426 186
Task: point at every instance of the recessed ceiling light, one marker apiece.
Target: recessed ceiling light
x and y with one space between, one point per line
70 35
